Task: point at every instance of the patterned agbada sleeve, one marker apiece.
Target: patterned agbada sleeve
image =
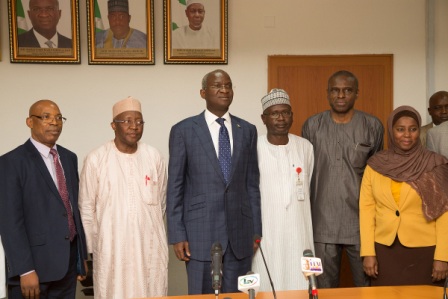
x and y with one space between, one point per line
162 179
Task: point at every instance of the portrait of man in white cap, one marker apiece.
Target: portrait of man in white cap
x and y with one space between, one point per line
120 35
197 34
122 203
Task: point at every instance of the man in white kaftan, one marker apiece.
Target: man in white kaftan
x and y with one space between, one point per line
195 35
122 203
187 38
286 164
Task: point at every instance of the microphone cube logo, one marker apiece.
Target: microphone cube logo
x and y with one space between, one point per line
248 281
311 265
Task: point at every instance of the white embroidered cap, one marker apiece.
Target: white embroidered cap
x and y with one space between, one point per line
189 2
276 96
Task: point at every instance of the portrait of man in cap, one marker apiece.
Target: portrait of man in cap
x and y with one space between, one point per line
195 28
120 35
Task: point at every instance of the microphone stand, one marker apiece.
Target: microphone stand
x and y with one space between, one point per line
313 293
216 265
267 270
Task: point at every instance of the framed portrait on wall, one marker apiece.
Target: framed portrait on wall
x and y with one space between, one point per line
195 31
120 31
44 31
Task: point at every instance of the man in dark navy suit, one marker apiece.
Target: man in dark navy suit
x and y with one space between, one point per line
40 224
44 16
213 188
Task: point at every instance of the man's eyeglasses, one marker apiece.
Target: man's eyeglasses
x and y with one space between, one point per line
48 119
275 115
120 16
194 11
222 86
48 9
129 122
346 91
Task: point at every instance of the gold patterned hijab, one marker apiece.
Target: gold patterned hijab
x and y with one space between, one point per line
424 170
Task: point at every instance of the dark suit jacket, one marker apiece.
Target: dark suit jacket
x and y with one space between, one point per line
28 39
201 208
33 221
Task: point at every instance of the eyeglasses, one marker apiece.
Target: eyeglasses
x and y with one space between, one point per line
129 122
194 11
48 119
275 115
119 16
48 9
222 86
346 91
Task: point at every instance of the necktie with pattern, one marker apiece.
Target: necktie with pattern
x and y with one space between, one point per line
224 153
62 187
49 43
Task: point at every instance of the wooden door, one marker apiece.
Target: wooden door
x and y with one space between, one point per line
305 79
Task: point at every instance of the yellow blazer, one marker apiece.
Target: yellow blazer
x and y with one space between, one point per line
381 219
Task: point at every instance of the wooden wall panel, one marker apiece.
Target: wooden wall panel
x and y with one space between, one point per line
305 80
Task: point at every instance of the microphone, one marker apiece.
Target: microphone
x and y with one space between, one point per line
311 267
216 266
257 239
249 284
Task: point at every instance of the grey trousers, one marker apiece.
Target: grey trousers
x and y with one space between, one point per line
331 255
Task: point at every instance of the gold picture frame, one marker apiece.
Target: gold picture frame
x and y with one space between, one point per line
29 38
196 34
137 45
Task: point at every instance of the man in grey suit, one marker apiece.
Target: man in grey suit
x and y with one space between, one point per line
438 109
343 139
44 16
437 139
213 188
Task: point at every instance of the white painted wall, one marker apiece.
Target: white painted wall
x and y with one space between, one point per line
441 45
170 93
